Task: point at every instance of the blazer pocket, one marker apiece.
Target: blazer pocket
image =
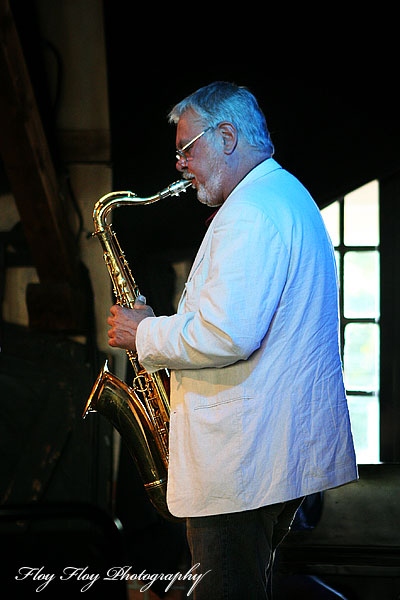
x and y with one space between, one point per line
206 403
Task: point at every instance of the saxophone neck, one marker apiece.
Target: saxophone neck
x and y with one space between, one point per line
104 207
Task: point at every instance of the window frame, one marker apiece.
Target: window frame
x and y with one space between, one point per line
341 249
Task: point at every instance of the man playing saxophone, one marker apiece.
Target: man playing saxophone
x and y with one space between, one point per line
259 417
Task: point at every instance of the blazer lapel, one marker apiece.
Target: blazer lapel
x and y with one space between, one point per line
196 263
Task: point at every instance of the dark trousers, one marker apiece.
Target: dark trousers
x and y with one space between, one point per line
235 551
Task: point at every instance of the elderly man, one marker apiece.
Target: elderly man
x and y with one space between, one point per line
259 416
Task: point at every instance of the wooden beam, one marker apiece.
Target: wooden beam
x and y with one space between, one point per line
28 163
31 174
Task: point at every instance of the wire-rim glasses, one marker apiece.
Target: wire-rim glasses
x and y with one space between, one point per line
180 153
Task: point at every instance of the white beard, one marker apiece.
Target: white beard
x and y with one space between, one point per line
210 192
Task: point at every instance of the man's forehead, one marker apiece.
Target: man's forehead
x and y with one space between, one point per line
189 125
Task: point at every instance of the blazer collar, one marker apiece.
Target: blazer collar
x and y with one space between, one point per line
264 168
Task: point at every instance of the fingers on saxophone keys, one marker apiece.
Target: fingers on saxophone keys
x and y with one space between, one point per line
111 340
114 310
140 301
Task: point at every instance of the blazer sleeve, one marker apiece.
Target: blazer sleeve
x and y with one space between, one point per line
247 272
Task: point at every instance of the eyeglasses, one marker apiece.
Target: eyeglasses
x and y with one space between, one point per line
182 153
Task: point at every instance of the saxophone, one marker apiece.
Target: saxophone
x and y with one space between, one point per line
140 412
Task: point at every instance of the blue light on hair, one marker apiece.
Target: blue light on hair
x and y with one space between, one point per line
222 101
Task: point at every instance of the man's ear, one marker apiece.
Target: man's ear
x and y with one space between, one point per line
229 136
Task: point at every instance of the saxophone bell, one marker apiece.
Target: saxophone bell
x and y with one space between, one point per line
119 404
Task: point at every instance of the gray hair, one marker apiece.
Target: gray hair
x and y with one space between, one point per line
222 101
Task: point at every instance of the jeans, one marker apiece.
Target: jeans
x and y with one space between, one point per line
235 551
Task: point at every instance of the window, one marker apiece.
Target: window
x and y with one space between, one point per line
353 224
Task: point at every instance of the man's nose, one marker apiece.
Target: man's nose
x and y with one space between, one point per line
181 164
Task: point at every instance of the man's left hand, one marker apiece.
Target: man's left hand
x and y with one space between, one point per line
124 323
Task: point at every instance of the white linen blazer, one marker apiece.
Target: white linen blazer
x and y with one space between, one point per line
258 408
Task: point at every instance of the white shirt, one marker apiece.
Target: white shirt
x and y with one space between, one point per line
258 407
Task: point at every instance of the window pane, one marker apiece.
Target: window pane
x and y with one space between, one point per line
361 285
361 216
364 416
330 214
361 357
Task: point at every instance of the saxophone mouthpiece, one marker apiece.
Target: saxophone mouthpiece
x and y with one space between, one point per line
179 186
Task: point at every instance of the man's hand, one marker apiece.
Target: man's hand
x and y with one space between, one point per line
124 323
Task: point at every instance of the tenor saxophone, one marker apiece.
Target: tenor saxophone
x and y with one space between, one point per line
139 412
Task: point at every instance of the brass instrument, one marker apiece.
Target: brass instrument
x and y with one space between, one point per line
140 412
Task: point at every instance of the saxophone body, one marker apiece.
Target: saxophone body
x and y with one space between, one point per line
139 412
